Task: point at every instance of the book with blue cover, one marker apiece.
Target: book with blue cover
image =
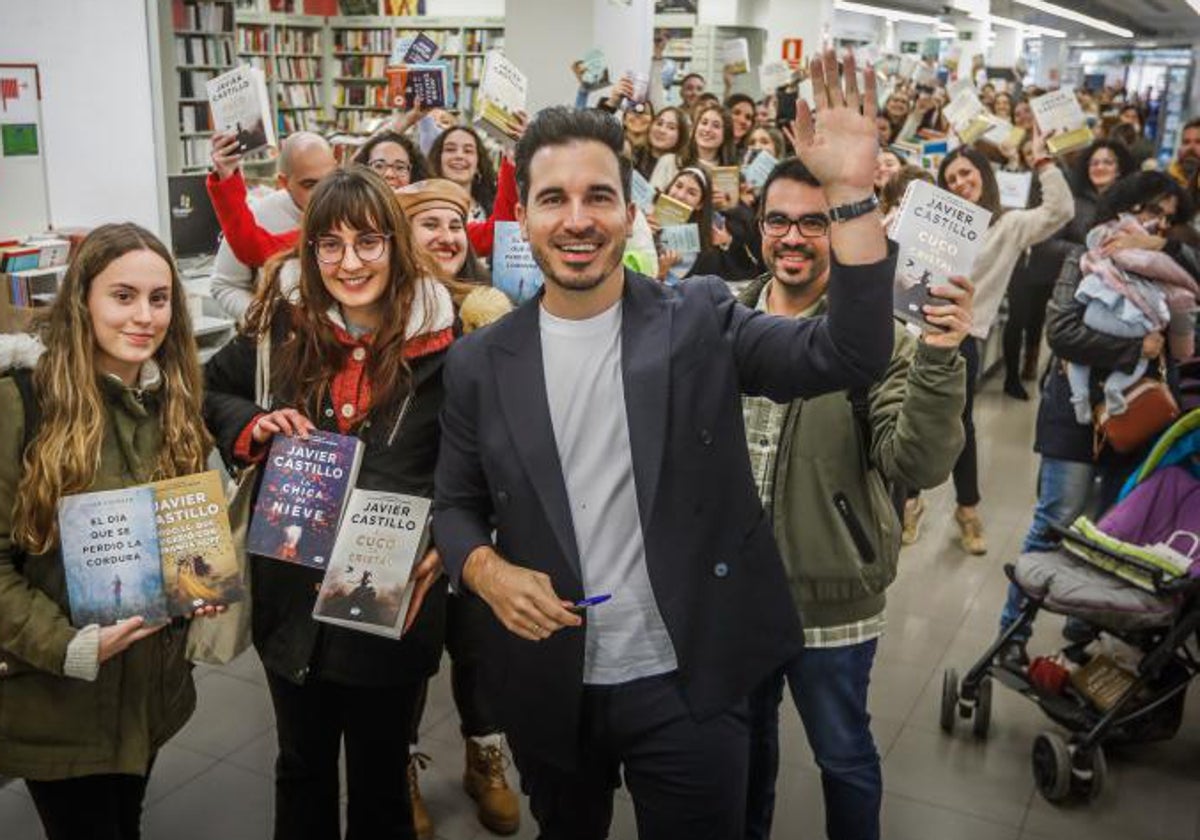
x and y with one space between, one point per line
110 556
514 270
304 489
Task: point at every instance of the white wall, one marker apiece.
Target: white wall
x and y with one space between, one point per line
97 109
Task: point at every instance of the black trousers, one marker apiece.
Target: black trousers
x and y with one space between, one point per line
687 778
467 621
966 468
1026 316
99 807
313 720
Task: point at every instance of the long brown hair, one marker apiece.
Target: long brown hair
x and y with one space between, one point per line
727 152
64 454
305 363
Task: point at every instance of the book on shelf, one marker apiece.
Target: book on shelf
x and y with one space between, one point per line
735 56
672 211
939 235
514 270
200 567
299 505
19 258
502 93
1059 111
202 17
239 103
110 556
367 585
431 83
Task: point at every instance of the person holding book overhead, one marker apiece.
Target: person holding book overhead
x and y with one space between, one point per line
967 173
359 353
112 402
304 159
593 464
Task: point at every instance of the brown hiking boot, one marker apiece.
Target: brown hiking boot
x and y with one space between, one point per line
970 528
422 822
483 778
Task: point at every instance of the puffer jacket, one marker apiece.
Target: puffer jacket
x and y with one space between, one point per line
834 521
57 727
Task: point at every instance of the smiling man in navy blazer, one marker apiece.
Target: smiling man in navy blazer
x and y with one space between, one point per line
598 431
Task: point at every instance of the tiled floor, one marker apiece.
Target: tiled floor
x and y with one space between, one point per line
214 780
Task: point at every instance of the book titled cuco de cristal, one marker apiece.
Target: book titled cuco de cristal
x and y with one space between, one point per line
939 235
503 91
367 585
200 567
110 556
304 488
239 102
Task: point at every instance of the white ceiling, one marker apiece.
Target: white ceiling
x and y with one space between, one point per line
1161 19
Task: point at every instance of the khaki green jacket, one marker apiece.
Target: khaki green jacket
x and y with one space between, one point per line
52 726
834 520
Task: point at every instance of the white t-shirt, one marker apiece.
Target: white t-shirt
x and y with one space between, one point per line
626 638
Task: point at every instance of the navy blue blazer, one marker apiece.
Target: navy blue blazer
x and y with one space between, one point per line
688 353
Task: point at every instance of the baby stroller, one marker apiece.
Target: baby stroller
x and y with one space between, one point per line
1135 576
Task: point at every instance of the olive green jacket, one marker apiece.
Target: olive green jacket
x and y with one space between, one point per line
53 726
834 519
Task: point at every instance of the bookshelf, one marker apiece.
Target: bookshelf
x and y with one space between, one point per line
289 49
198 38
696 48
361 47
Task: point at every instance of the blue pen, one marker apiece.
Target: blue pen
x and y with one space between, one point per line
580 606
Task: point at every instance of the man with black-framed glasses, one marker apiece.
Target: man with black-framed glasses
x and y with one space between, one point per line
823 468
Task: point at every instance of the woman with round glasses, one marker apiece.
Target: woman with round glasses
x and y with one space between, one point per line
393 157
358 352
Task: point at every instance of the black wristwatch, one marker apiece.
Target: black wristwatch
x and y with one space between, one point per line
846 212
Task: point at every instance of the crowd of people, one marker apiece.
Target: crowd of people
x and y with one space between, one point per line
664 428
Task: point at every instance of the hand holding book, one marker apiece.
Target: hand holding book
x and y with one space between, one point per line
226 154
950 320
285 421
115 639
424 576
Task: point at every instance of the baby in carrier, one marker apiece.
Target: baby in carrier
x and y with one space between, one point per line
1129 294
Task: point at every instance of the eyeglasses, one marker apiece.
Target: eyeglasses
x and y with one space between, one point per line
382 166
331 250
811 226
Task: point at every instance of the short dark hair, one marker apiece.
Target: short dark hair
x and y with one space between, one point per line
418 168
1194 122
734 98
561 125
1133 191
788 169
1125 164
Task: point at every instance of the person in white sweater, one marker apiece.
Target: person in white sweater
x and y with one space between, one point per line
968 174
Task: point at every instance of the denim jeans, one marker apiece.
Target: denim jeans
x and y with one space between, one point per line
829 687
1064 488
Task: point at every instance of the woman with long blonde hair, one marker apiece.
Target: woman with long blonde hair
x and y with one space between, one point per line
113 401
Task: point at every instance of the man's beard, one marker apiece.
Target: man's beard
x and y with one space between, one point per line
576 282
815 268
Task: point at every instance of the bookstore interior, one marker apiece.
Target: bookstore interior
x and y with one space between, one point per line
1027 146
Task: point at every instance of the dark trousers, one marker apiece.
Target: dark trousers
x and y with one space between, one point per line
966 468
829 687
313 720
687 778
467 619
99 807
1023 330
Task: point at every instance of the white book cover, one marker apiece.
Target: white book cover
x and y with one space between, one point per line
367 584
939 235
503 90
642 193
758 170
240 103
735 55
774 74
1059 111
963 109
1014 189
